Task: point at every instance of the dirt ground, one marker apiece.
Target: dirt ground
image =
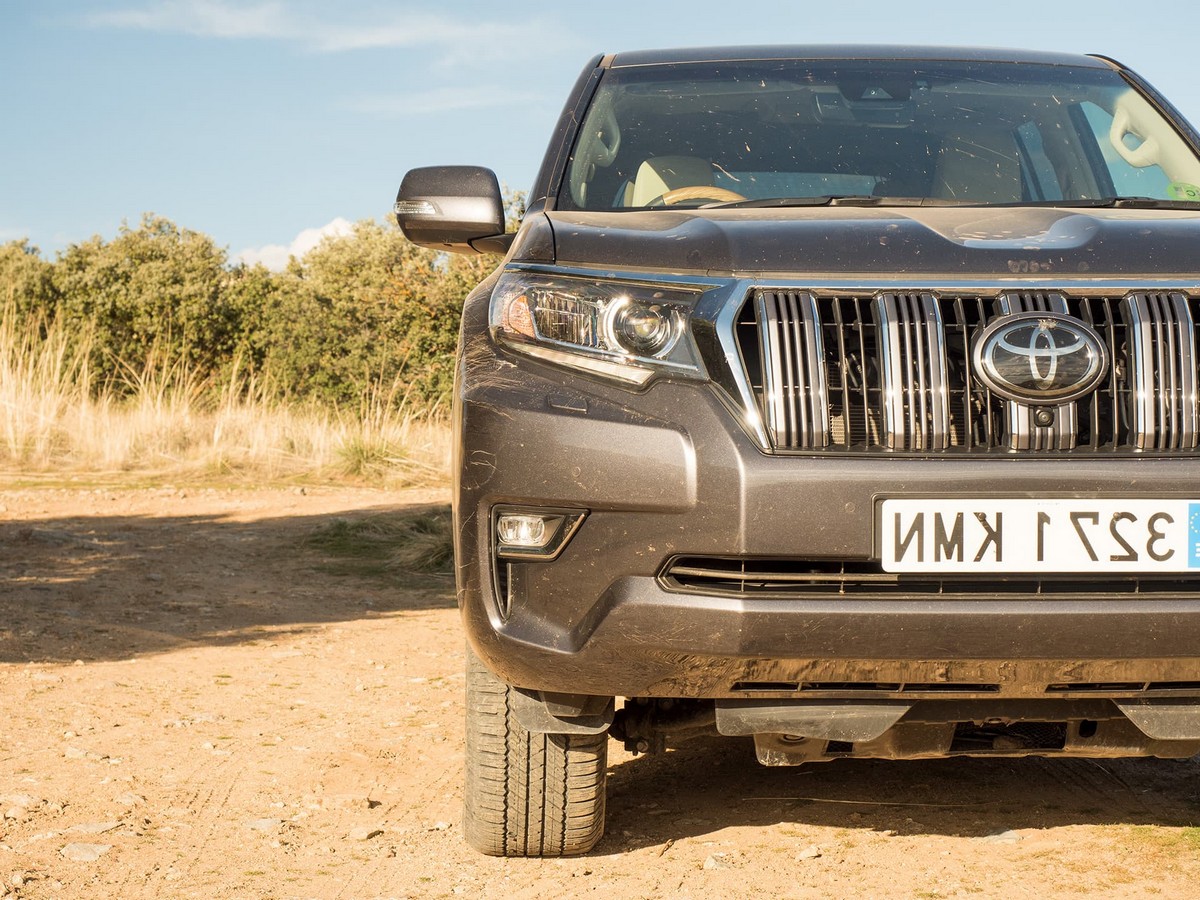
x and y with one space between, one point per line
196 701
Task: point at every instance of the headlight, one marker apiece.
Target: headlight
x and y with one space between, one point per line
626 331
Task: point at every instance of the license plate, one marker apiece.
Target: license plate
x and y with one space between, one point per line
1040 536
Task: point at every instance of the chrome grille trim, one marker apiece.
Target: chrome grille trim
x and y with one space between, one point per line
912 355
895 405
1162 348
1023 431
794 378
749 576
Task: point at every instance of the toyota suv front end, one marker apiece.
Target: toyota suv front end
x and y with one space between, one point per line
846 398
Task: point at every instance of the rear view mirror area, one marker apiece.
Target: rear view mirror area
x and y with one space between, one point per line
453 208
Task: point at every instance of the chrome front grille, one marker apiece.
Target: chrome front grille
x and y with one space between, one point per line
1162 362
890 371
913 378
795 396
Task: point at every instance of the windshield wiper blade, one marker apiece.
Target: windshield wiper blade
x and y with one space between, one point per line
865 200
770 203
1110 203
837 200
1150 203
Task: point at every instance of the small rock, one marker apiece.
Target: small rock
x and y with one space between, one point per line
716 862
364 834
1002 837
154 576
813 852
440 826
74 753
78 662
84 852
15 812
264 824
131 799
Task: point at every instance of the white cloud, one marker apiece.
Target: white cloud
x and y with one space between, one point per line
275 256
459 38
443 99
203 18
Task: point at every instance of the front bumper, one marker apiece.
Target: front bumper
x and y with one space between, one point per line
669 472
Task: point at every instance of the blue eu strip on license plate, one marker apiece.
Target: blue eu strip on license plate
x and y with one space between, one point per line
1194 535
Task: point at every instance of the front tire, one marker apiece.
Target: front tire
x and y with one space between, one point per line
527 794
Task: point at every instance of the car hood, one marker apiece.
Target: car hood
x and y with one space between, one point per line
837 241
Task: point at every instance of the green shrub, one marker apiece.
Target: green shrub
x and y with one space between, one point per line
360 315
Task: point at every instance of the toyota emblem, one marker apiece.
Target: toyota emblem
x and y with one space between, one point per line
1040 358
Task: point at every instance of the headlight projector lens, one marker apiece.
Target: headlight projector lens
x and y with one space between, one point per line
643 329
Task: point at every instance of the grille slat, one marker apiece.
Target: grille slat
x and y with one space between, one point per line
891 371
913 364
794 371
1162 360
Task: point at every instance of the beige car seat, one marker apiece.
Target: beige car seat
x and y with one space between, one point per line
660 174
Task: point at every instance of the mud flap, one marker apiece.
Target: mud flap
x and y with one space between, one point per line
587 714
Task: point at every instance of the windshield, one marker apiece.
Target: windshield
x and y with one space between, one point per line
945 132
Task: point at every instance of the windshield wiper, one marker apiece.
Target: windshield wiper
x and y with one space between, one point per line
1110 203
837 200
865 200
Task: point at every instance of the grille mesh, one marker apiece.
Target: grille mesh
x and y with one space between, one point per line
891 371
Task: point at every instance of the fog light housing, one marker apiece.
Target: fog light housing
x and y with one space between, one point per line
533 534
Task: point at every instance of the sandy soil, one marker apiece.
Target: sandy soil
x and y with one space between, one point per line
197 703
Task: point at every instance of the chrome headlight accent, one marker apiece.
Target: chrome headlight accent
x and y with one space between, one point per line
622 330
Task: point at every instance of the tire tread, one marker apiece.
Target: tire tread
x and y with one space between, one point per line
527 794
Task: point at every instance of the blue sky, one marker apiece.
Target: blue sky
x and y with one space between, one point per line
264 121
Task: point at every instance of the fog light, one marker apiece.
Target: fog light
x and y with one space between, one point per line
534 534
528 532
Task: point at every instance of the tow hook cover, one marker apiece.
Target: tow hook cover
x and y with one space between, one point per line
829 721
1164 720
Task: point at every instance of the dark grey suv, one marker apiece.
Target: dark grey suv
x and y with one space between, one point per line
844 398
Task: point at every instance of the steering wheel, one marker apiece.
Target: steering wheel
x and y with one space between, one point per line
696 192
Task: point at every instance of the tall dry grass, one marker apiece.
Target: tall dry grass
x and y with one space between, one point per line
163 419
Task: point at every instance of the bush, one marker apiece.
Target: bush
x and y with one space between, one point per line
153 289
361 315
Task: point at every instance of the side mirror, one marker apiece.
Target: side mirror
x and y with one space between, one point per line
455 208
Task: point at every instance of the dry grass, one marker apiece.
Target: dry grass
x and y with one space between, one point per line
55 420
409 541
